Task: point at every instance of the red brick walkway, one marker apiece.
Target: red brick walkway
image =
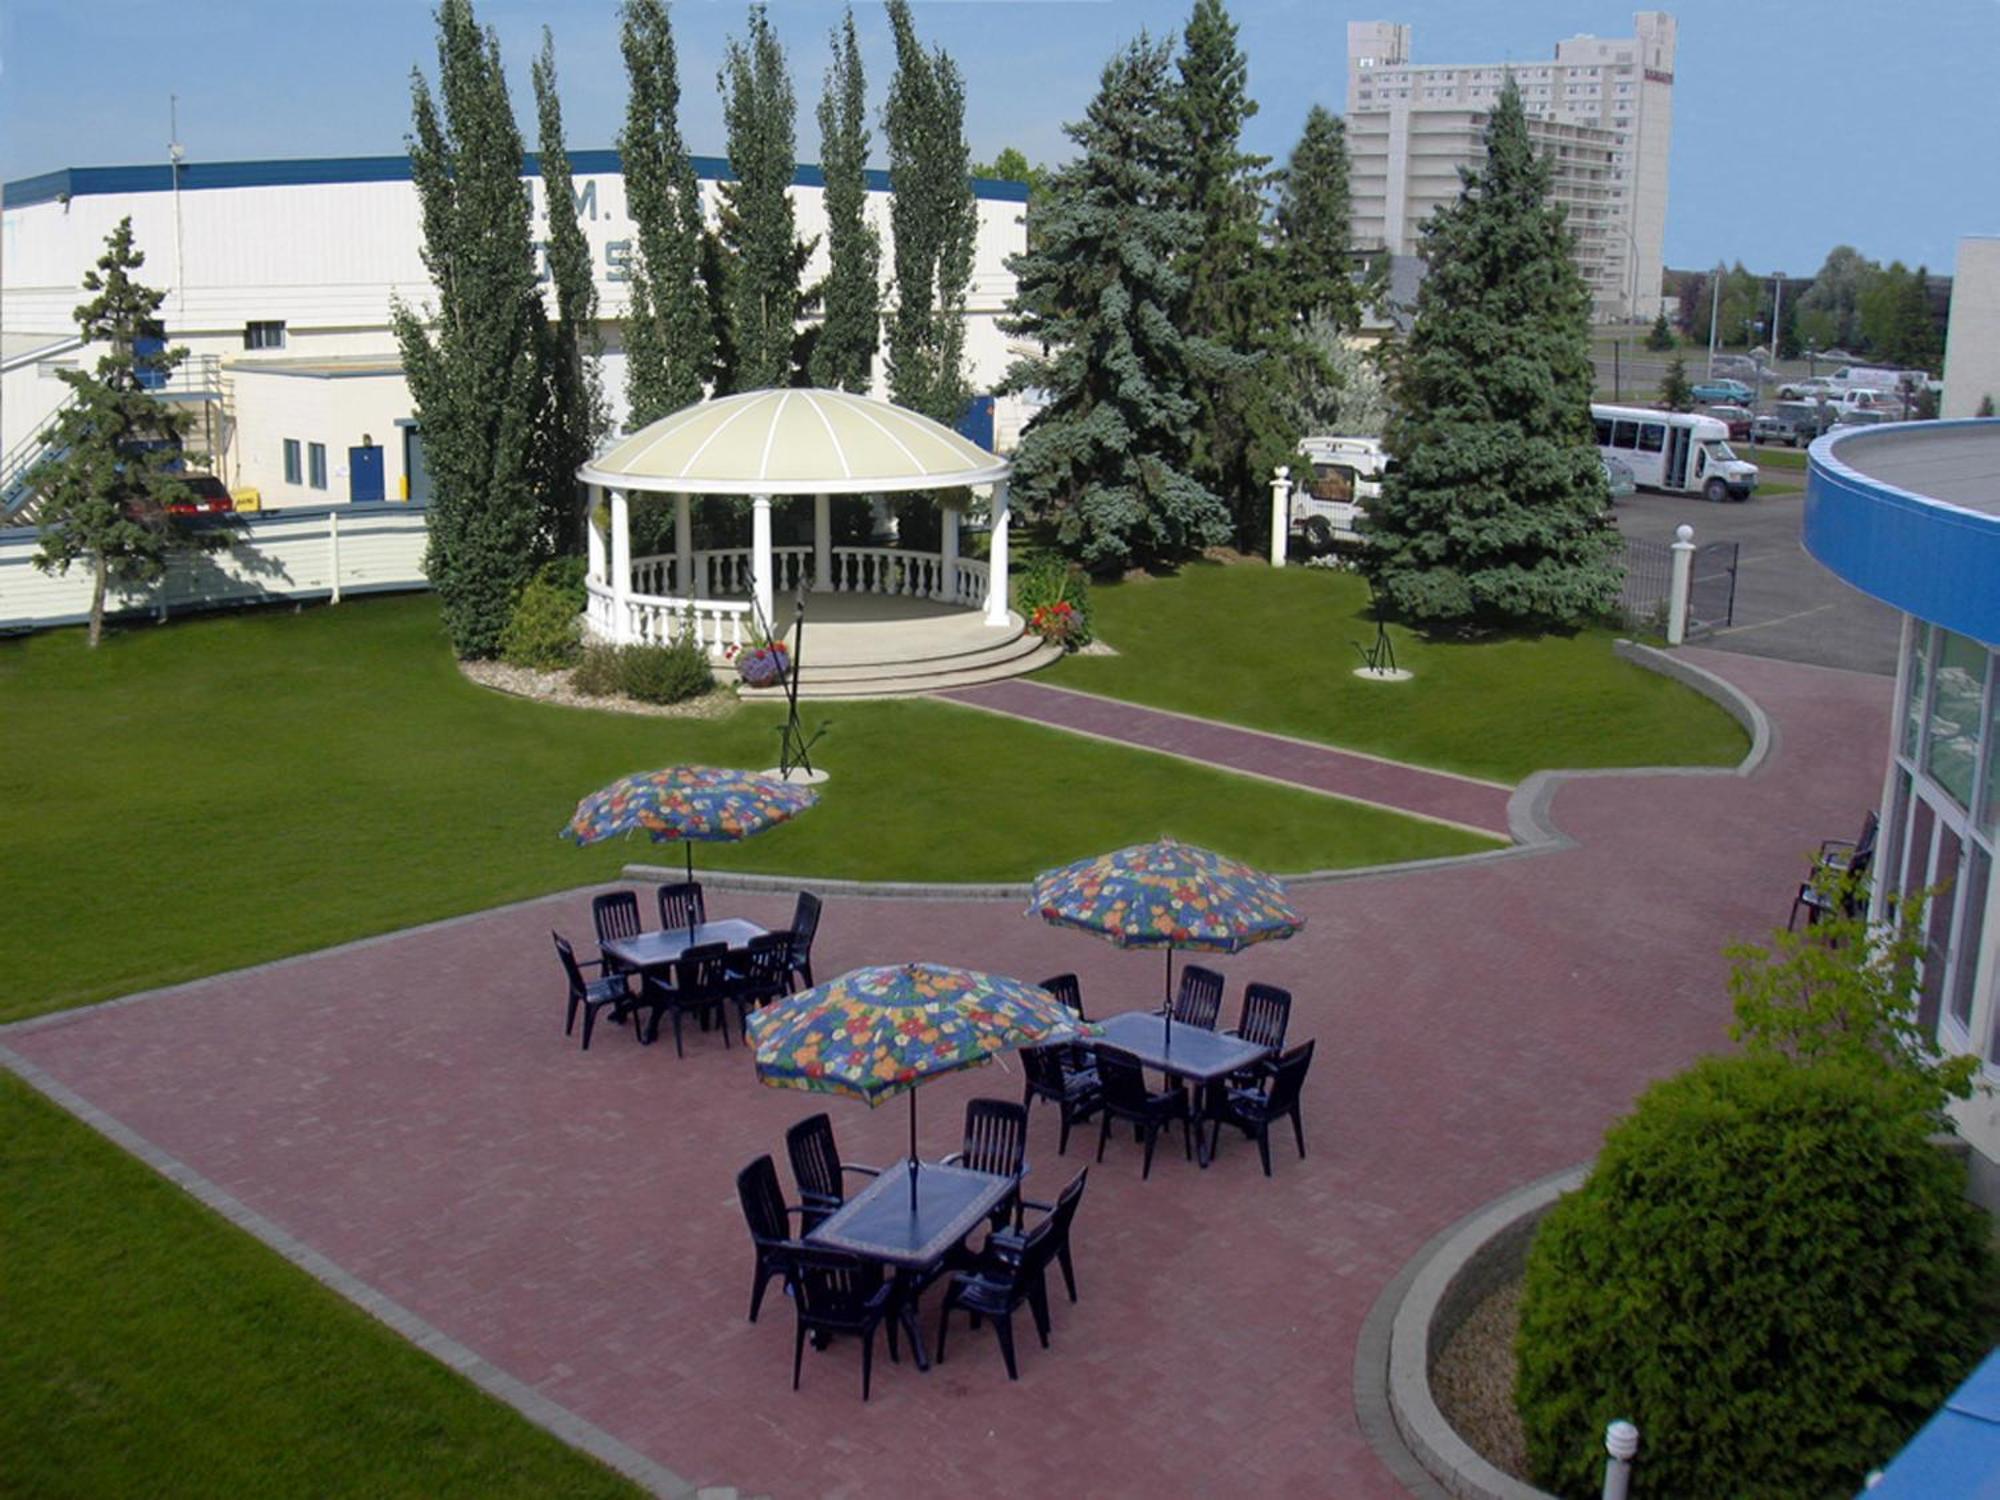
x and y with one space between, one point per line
409 1108
1480 805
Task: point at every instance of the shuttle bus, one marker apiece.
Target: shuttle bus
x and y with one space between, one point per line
1682 453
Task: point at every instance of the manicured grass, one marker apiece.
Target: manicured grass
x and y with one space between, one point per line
1274 650
152 1349
233 789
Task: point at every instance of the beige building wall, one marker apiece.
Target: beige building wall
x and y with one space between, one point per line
1972 338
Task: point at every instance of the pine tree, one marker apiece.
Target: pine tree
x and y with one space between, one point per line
1246 347
1107 459
756 225
1490 515
1312 224
1661 339
104 497
1675 392
577 415
669 338
933 222
844 355
475 367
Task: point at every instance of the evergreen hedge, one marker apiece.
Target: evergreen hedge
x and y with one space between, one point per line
1771 1270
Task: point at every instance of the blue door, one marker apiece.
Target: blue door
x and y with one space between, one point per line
364 474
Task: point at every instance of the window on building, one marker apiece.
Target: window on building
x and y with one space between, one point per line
264 335
316 458
1951 753
293 472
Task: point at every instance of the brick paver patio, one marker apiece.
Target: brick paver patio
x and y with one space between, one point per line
409 1108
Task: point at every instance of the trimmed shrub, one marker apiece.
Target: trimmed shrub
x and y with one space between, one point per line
596 671
545 631
664 674
1047 583
1771 1270
567 574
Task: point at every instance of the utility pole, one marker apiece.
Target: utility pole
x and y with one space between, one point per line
1714 309
174 155
1777 314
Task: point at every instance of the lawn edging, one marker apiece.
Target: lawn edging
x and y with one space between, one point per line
1415 1317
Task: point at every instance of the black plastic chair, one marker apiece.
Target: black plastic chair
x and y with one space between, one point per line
805 927
996 1141
1200 1000
1066 989
769 1218
615 914
1052 1075
818 1169
758 974
700 989
1060 1215
1266 1016
591 995
1253 1110
681 905
1127 1098
834 1293
1012 1269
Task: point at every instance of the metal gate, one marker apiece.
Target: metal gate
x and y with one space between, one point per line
1642 598
1712 588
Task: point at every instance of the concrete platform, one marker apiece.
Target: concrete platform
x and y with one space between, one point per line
894 646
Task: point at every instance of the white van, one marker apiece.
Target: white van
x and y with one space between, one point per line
1680 452
1327 501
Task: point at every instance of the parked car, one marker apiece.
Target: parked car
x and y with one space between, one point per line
1736 418
210 496
1817 388
1618 477
1731 392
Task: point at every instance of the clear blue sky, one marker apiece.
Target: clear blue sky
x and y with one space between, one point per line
1786 141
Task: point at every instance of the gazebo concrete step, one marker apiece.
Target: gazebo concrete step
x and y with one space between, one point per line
1007 647
993 667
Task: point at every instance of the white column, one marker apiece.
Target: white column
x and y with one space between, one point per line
760 556
593 538
684 549
1281 513
822 543
996 561
621 566
1681 581
947 584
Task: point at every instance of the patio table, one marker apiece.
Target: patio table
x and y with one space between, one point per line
878 1224
1186 1052
652 951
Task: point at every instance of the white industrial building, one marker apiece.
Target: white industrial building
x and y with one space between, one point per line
280 276
1602 111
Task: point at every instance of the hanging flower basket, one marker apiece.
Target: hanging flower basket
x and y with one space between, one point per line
763 666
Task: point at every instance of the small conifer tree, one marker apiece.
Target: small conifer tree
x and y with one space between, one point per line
1661 339
1675 392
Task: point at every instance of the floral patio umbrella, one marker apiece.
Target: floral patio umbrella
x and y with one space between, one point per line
1167 895
878 1032
688 803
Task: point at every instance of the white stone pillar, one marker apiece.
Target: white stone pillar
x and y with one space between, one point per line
822 543
947 584
685 583
593 538
1681 582
1281 513
621 566
760 557
996 561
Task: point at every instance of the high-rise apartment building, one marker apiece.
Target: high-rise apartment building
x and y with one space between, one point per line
1602 111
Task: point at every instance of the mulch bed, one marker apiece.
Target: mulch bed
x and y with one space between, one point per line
1473 1382
554 687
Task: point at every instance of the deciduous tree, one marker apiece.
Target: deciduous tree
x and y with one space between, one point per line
756 225
843 357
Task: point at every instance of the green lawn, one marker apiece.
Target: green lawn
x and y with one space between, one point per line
152 1349
1273 650
233 789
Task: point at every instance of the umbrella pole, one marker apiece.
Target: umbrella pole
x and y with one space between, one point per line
1167 1008
688 850
913 1152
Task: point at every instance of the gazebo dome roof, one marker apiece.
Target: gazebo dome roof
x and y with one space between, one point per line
793 442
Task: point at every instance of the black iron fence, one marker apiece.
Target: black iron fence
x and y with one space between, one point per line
1644 600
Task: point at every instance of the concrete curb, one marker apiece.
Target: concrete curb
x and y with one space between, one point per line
1411 1321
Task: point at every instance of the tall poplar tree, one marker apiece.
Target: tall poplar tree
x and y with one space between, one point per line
577 417
475 362
1311 223
1490 515
669 342
844 355
756 224
1247 348
933 223
103 498
1108 458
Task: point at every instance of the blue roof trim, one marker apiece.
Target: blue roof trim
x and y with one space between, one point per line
1926 557
157 177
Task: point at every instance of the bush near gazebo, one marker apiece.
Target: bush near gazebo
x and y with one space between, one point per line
1772 1268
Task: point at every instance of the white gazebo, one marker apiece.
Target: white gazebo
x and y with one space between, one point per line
762 444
